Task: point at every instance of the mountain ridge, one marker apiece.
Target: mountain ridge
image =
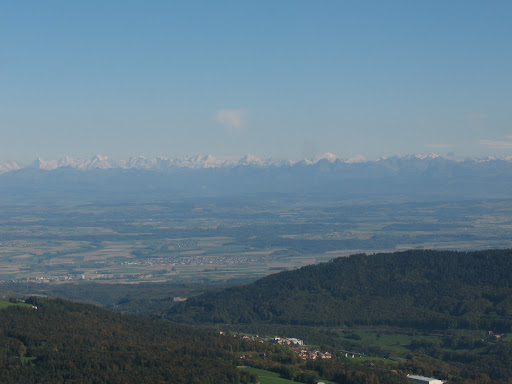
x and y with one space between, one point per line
412 177
209 161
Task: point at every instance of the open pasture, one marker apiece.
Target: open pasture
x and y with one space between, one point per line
267 377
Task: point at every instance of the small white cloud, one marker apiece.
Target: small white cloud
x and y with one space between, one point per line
438 146
500 144
231 118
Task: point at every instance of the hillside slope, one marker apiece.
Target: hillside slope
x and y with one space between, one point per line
65 342
422 289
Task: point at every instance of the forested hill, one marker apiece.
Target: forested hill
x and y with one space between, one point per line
65 342
421 288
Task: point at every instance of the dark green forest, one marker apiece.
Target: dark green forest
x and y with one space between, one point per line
423 289
66 342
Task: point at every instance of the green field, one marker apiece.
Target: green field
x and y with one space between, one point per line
5 304
396 341
267 377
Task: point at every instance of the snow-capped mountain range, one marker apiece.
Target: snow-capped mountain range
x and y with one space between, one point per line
398 178
206 161
158 163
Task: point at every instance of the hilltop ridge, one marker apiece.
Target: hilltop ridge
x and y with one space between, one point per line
422 289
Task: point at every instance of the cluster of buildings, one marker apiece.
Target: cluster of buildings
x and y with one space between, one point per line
296 345
492 335
47 279
287 341
306 354
172 262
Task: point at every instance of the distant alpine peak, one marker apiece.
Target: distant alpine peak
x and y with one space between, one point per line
423 156
331 158
250 160
356 159
98 161
8 166
493 158
40 163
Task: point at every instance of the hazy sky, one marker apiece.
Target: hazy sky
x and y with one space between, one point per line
286 79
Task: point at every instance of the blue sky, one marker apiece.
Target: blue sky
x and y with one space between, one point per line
286 79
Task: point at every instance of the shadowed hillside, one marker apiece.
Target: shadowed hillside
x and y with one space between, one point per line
65 342
421 289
